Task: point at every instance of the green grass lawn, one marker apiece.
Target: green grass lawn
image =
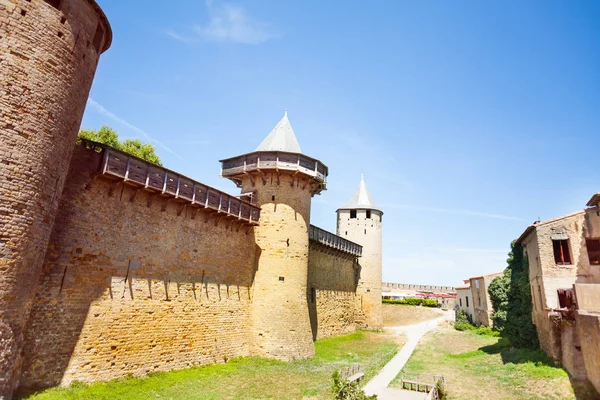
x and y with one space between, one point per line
476 366
248 378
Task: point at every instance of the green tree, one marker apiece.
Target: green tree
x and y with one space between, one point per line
107 135
498 290
519 327
142 150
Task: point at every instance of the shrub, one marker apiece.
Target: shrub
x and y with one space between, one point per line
442 394
413 302
519 327
346 390
498 291
487 331
463 321
464 326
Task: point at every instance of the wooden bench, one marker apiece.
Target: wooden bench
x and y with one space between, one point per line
352 373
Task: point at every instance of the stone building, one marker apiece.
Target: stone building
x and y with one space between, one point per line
360 220
444 295
482 305
465 298
474 299
564 255
111 265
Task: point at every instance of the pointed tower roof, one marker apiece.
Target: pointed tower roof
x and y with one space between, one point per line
281 138
362 198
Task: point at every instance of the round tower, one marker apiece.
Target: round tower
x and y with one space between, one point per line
281 180
359 221
49 50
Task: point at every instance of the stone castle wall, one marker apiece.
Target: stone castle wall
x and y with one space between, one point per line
129 288
132 284
333 302
49 51
366 232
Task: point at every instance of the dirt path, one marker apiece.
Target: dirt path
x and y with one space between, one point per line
379 384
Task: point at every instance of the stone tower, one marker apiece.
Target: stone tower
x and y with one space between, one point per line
49 51
359 221
281 180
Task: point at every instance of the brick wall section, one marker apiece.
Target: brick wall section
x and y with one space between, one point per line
545 276
366 232
588 326
333 304
129 288
48 61
280 319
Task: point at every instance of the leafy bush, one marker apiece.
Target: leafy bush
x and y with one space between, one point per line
464 326
346 390
413 302
463 321
487 331
442 393
498 291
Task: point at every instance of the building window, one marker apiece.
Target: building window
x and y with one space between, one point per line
479 298
467 298
593 249
477 284
460 302
562 256
352 214
368 214
540 298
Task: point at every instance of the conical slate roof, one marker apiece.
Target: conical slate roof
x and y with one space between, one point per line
281 138
362 198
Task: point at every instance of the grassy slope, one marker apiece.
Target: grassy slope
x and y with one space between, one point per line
248 378
485 367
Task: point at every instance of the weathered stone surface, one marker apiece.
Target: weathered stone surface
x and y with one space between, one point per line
48 59
129 289
332 281
366 232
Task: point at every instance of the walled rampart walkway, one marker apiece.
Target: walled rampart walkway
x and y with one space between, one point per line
379 384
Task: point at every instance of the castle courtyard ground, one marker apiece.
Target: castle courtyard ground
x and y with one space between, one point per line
477 366
250 378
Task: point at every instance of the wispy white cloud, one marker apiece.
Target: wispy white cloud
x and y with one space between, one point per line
227 23
134 128
450 211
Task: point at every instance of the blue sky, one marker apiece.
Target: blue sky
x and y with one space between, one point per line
470 119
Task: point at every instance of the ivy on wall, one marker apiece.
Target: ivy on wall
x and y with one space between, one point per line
510 295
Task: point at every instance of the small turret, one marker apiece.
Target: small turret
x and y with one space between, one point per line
281 180
359 221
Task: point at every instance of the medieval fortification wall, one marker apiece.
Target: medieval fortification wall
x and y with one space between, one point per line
112 266
133 284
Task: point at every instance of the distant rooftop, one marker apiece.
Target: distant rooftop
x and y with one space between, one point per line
281 138
362 198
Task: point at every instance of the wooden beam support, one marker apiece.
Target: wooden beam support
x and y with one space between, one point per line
151 200
133 195
164 205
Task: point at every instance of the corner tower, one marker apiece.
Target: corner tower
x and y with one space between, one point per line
359 221
281 180
49 50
